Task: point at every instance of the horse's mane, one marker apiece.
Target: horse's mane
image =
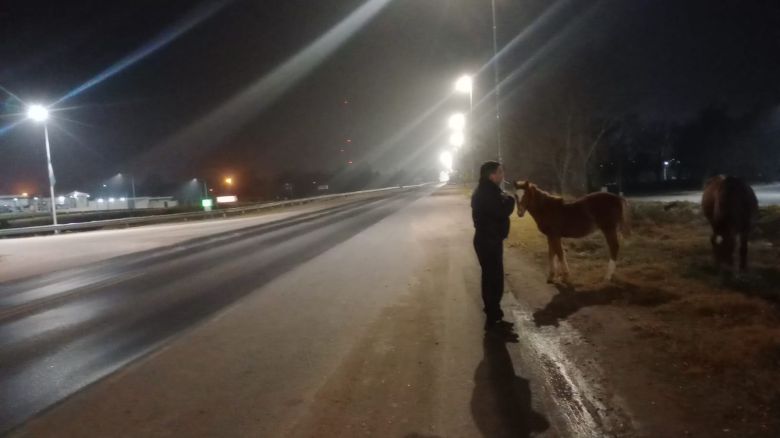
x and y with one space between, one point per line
548 197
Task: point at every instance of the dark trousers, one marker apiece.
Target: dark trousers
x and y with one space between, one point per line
490 253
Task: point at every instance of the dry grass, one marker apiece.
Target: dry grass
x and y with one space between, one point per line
730 329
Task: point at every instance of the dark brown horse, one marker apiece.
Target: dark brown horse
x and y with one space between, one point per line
731 207
559 219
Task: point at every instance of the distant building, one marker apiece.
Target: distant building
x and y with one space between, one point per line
14 203
142 202
73 200
80 201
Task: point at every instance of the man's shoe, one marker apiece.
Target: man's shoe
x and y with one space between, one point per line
498 324
501 334
506 324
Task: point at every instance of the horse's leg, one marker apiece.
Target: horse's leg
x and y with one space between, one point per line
614 246
743 250
715 241
551 260
727 247
562 258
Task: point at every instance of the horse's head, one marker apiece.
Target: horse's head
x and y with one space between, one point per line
524 201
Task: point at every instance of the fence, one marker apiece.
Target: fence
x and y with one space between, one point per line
162 218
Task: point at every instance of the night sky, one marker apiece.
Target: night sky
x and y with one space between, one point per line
659 59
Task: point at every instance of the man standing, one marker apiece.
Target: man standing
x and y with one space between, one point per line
490 209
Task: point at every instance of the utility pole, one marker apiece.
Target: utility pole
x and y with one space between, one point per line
51 178
132 186
496 80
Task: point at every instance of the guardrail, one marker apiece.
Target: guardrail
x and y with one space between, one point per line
162 218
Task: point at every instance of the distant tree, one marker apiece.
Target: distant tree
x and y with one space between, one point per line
554 129
563 141
572 152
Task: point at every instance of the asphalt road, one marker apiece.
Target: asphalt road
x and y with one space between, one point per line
361 318
22 257
63 331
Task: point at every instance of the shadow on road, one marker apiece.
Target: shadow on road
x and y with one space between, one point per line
569 300
501 401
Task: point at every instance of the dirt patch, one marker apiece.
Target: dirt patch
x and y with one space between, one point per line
709 348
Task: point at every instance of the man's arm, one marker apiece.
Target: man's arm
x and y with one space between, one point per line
507 204
496 206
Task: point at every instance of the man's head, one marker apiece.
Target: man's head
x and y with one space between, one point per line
492 171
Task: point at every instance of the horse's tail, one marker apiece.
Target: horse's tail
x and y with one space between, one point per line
625 218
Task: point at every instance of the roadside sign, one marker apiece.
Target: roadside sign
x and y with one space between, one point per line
226 199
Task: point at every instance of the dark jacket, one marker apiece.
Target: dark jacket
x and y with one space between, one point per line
490 209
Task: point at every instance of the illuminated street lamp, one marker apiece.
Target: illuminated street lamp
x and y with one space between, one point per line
445 158
457 122
39 113
457 139
229 180
465 85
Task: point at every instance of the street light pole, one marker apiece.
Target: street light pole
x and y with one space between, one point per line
132 187
51 177
39 113
122 185
496 81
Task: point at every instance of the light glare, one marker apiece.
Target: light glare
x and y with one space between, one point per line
445 158
457 122
457 139
38 113
463 84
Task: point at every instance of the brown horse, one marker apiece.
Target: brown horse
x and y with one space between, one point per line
558 219
731 207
